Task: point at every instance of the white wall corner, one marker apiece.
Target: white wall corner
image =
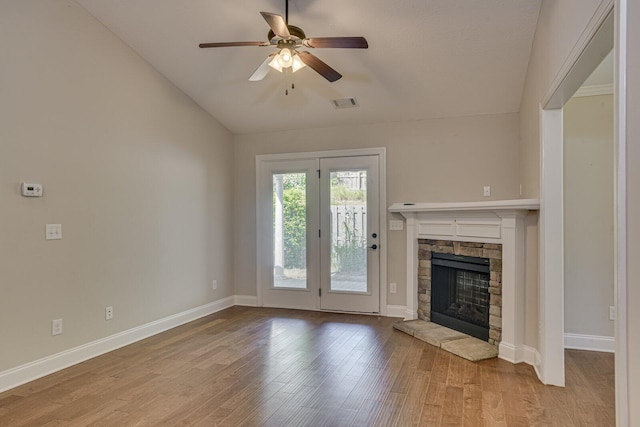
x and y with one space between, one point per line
39 368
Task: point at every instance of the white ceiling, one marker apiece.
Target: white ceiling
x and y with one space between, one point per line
426 58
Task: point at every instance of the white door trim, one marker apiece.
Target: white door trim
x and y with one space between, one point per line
551 250
381 152
620 221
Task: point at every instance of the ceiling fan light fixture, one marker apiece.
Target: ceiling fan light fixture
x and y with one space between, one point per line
275 64
297 63
287 59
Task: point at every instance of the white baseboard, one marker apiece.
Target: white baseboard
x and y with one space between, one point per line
537 365
590 342
246 300
28 372
396 311
529 355
39 368
517 354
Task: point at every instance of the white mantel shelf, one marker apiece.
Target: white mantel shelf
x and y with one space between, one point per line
491 205
496 221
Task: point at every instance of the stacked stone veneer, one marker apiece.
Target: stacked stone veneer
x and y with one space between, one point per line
484 250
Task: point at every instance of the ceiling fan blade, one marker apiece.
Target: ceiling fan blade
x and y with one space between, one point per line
320 67
232 44
277 24
262 70
337 42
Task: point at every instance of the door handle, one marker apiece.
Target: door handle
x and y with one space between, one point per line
374 247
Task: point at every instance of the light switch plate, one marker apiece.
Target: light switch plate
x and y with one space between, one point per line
396 225
53 231
486 191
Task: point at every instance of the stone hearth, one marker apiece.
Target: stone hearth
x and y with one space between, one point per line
449 340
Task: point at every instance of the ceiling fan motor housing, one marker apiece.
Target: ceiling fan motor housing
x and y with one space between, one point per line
296 33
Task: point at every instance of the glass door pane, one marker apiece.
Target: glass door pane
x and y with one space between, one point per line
348 196
290 230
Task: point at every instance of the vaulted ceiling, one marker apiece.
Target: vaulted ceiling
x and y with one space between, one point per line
426 58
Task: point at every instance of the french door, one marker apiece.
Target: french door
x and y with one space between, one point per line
349 246
319 247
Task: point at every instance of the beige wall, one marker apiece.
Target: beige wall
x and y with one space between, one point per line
427 161
137 174
559 27
588 215
633 206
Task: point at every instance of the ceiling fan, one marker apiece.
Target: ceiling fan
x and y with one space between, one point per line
288 39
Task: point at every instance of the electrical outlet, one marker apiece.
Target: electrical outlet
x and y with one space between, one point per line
487 191
53 232
612 312
214 285
56 327
108 313
393 288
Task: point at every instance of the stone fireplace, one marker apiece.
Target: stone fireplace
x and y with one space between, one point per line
493 230
475 307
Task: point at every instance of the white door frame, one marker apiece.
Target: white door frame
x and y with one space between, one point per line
620 221
595 41
260 229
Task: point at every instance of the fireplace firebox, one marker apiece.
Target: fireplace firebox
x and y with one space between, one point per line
460 293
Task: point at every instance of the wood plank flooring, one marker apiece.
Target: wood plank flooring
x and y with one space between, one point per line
254 366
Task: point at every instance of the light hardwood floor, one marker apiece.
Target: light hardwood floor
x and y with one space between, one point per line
253 366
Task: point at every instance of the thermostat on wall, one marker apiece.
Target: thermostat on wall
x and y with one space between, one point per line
31 190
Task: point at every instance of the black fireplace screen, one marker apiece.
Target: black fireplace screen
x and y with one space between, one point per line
460 293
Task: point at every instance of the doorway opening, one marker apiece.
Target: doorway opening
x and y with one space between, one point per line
593 47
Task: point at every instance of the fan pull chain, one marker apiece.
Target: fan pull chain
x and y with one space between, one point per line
288 76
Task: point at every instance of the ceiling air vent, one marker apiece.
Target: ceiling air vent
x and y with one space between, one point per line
345 103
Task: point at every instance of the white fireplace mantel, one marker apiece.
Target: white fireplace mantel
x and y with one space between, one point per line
496 221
